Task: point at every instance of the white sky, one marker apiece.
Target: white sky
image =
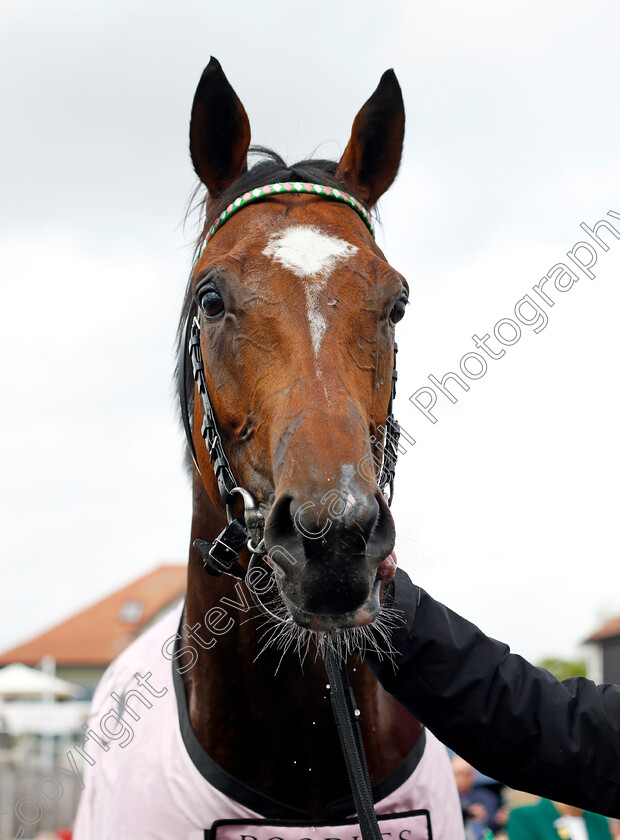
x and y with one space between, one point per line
506 509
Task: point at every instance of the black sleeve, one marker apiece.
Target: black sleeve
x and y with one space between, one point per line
511 720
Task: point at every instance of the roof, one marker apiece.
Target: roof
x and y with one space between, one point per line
95 636
607 631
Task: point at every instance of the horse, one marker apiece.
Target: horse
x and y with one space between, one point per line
290 315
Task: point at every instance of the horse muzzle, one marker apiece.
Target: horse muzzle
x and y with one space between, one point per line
331 556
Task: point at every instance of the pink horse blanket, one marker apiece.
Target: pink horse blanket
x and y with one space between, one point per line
146 777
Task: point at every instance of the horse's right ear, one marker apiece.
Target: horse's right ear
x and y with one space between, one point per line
219 131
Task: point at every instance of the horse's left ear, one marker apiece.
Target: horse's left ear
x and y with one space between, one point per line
372 157
219 131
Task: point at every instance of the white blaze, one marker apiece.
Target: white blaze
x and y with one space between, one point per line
312 256
307 251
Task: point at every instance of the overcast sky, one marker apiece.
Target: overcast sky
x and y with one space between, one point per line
507 507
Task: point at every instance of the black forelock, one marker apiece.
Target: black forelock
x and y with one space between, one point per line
270 168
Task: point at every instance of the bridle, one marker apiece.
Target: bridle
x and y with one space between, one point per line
222 555
227 485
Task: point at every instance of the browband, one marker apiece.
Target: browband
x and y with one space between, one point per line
283 188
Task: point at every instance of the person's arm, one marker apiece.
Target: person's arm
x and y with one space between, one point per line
511 720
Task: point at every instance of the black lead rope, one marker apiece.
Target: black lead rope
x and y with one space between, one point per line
221 557
346 715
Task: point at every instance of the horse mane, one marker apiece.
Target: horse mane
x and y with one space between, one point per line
270 168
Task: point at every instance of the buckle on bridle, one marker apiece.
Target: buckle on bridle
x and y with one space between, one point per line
222 555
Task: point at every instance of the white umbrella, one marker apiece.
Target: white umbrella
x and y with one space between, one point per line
18 680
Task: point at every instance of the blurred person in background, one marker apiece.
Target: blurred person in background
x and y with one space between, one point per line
482 811
552 820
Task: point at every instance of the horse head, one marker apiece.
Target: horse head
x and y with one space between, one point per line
297 307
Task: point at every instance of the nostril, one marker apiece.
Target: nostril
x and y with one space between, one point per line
280 518
380 510
382 534
374 514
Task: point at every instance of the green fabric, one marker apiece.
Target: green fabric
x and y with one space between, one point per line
535 822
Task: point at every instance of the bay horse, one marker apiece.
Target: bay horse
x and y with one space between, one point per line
294 307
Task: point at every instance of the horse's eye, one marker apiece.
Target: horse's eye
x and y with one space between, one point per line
211 303
398 310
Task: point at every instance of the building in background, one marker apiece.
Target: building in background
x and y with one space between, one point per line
604 665
87 642
42 717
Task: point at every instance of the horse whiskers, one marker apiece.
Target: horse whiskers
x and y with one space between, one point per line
258 613
282 633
